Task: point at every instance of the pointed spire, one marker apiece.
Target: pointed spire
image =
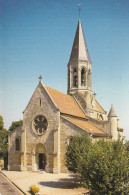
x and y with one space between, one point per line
112 112
79 49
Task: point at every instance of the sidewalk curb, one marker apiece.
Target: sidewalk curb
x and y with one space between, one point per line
14 183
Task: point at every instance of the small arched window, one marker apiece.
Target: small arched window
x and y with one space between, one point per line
17 144
40 102
83 77
101 117
74 77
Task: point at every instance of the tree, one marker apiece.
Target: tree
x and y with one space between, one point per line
3 137
77 148
3 141
1 123
103 165
15 124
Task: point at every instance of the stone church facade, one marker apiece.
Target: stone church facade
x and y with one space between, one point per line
52 118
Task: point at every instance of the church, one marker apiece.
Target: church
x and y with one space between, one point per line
52 118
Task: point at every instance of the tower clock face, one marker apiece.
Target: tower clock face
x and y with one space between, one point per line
40 124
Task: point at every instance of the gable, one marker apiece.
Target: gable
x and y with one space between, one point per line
40 108
39 98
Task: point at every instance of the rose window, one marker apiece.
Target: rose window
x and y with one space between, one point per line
40 124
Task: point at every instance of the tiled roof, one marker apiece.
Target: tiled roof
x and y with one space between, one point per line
99 107
65 103
85 125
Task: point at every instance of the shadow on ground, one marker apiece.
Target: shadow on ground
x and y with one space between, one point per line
64 183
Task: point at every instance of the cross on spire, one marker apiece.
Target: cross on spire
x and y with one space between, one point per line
40 77
79 8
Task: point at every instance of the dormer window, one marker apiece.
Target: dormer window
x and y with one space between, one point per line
75 77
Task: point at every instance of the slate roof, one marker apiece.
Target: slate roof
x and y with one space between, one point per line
80 49
112 112
65 103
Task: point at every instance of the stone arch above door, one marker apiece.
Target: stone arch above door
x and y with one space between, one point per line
39 157
40 148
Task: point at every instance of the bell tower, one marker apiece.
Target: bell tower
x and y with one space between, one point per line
79 65
80 73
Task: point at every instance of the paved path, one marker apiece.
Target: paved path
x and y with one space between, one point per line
48 183
6 187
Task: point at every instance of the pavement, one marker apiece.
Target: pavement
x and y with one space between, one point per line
6 187
48 183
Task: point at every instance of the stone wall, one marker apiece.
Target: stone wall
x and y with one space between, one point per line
67 131
14 157
103 125
41 104
25 159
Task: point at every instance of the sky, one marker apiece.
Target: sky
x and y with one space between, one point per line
36 38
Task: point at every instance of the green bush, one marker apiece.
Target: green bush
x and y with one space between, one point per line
77 149
103 165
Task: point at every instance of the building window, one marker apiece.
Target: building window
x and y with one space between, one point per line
40 102
40 124
83 77
101 117
17 144
74 77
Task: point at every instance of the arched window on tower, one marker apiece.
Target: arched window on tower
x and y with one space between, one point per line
83 77
17 144
101 117
74 77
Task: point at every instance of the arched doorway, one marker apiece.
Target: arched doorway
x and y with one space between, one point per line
40 156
